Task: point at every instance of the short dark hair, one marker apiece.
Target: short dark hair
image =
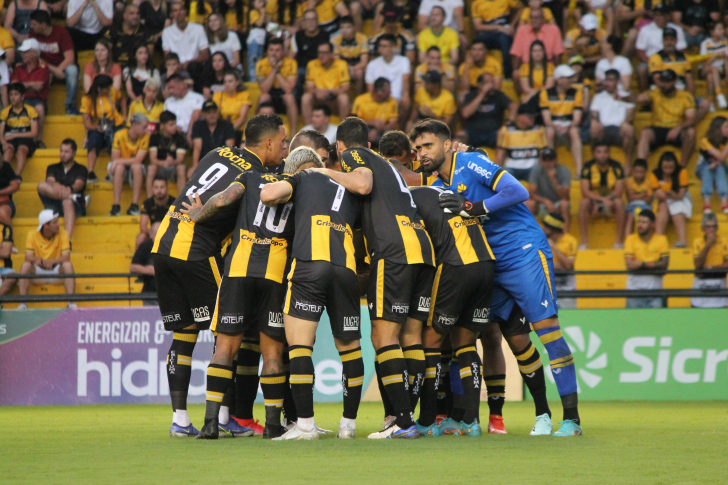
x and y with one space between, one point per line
261 127
171 56
160 177
267 104
167 116
481 42
433 48
435 127
640 162
353 132
394 144
18 87
322 107
387 37
648 214
316 139
331 46
346 19
70 142
275 41
441 9
175 77
379 83
616 42
41 16
613 73
599 143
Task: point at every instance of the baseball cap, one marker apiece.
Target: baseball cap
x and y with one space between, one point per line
563 71
208 105
548 153
669 32
589 22
577 59
432 77
28 45
554 222
46 216
668 75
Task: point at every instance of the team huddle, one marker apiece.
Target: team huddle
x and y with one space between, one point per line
256 247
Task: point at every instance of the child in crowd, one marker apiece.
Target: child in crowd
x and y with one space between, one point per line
639 193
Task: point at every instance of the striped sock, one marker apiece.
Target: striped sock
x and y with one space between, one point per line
496 386
302 379
562 368
470 379
352 380
179 367
218 380
246 377
414 357
393 369
531 368
274 391
429 394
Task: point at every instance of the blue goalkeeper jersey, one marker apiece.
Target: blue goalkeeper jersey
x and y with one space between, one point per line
513 233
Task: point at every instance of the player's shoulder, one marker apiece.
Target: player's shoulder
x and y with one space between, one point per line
476 162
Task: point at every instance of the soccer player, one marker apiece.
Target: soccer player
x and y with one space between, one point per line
459 306
185 261
323 274
524 267
402 267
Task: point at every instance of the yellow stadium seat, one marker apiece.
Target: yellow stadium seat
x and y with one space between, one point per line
600 260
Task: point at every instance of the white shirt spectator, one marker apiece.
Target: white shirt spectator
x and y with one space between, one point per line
89 21
611 112
620 63
650 38
4 74
330 133
184 108
709 47
231 44
188 44
448 5
393 72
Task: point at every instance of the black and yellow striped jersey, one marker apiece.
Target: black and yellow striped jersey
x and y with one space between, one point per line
325 214
181 238
457 241
262 237
18 121
393 229
561 106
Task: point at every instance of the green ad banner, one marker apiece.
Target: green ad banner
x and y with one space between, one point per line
661 355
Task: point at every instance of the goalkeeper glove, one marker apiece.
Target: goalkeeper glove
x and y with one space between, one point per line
457 204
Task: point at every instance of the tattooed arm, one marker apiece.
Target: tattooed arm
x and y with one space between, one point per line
200 213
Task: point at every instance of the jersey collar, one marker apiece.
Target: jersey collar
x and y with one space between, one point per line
452 170
256 156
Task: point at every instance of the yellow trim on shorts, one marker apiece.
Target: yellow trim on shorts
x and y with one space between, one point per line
380 288
433 299
545 265
287 305
215 270
213 325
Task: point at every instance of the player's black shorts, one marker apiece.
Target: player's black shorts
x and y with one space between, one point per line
314 285
187 290
516 324
249 305
461 297
397 291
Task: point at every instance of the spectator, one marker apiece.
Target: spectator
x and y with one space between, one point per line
586 41
18 128
536 74
549 187
36 79
86 21
327 13
561 108
220 40
714 69
7 283
213 76
611 47
320 122
405 10
670 58
483 112
670 183
404 43
393 67
284 14
445 38
353 48
710 252
127 156
673 118
477 63
4 79
453 15
101 119
258 19
7 44
639 193
154 208
64 185
197 12
327 81
9 184
549 34
102 64
56 51
564 247
127 36
142 264
149 104
47 253
187 40
140 70
525 18
378 109
494 24
520 143
650 40
612 120
172 67
433 62
277 79
167 149
305 44
711 167
432 101
234 102
154 17
602 189
17 17
396 145
645 252
693 15
210 132
184 104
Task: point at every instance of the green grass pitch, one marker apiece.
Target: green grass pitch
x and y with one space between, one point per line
623 442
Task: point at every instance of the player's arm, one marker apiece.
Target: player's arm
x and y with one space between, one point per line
359 181
413 179
508 192
200 213
276 193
